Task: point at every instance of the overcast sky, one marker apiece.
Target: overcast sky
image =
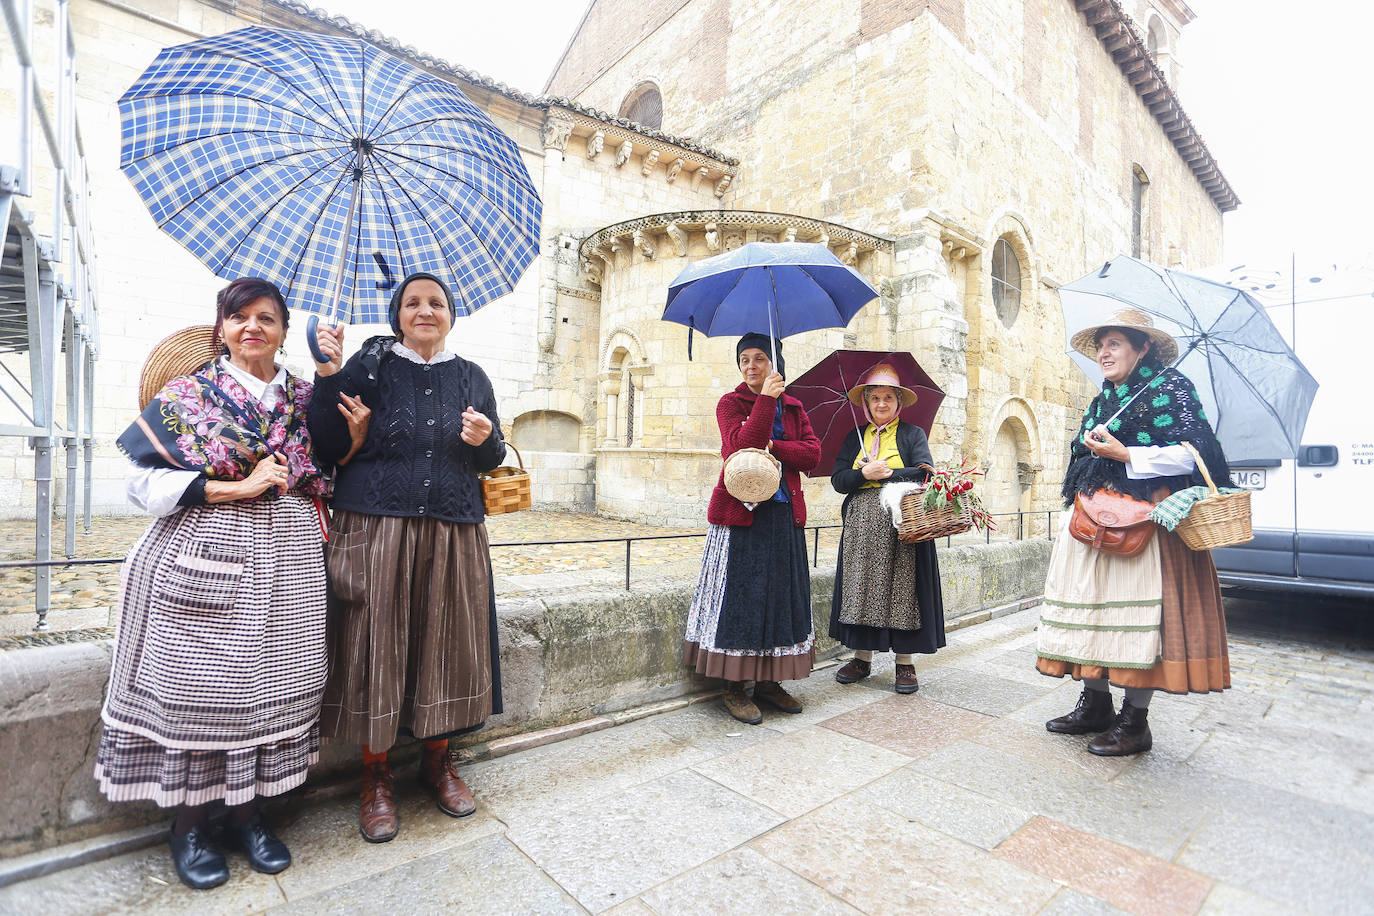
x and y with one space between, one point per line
1279 91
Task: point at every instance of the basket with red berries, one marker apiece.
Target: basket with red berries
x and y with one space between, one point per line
947 506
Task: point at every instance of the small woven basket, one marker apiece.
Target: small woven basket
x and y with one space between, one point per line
752 475
922 524
175 355
506 489
1216 520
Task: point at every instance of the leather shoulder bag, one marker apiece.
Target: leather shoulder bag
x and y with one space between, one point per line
1112 522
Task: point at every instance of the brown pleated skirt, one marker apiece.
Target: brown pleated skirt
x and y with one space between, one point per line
412 641
1192 630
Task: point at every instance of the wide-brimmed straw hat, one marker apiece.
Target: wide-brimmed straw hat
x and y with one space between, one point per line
177 354
881 374
1165 347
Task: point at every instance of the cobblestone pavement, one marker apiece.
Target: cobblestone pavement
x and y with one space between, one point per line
1256 800
82 596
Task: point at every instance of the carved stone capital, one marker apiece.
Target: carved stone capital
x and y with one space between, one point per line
645 246
674 168
622 155
591 269
679 238
596 144
712 237
723 185
557 129
850 255
789 234
650 158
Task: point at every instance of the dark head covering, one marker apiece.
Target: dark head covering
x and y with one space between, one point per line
763 342
393 310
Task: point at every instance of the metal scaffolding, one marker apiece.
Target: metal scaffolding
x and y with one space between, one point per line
47 284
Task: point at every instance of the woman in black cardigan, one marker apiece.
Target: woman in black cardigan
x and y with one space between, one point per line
887 594
412 625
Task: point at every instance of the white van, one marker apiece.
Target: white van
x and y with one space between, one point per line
1314 517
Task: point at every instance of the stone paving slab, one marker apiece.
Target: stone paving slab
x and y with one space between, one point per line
951 800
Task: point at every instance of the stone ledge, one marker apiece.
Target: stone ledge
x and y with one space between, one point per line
571 663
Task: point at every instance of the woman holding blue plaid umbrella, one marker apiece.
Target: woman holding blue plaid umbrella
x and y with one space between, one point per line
412 641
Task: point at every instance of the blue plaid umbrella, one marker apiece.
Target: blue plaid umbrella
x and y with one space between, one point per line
329 167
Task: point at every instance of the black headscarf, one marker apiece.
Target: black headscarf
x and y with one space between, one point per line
393 310
770 346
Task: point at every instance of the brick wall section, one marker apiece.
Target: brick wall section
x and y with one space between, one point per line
607 33
878 17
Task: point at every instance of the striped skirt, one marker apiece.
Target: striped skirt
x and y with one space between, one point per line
750 618
412 630
1191 629
219 659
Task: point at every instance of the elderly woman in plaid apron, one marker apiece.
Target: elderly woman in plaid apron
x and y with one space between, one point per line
1148 622
219 661
412 630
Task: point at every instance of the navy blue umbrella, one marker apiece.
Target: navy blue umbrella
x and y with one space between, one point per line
773 288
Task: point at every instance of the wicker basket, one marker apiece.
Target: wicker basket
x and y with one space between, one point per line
1216 520
175 355
922 524
752 475
506 489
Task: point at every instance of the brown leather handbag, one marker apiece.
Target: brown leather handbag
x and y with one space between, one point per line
1112 522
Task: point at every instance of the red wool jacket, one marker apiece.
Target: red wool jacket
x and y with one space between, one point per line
746 421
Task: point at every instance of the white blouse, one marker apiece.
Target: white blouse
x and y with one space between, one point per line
157 491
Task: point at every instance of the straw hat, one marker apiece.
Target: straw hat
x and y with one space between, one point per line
178 354
1165 347
881 374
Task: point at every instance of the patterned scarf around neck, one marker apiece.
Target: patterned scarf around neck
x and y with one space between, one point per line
189 426
1168 412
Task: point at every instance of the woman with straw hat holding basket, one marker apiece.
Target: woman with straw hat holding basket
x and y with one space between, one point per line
750 618
887 594
219 661
1135 608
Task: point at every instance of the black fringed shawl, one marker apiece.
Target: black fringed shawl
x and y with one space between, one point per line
1168 413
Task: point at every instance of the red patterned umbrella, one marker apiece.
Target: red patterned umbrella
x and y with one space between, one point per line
823 390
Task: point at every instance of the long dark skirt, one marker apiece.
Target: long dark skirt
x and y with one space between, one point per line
412 630
867 525
751 615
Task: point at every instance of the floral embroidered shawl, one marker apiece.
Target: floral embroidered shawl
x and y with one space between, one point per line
189 426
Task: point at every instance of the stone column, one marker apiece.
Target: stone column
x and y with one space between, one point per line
557 130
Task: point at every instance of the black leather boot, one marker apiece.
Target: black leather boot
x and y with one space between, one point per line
1129 735
199 864
1092 714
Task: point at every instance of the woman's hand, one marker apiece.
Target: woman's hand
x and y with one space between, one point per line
267 473
359 417
772 386
876 469
331 345
1103 444
476 426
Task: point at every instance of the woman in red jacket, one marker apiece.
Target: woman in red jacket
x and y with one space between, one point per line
751 616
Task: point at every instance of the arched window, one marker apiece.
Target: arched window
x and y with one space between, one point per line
644 105
1006 281
1156 39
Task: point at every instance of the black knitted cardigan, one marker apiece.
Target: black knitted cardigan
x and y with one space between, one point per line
1168 412
413 462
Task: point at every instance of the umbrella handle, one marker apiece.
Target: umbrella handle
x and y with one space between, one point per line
312 339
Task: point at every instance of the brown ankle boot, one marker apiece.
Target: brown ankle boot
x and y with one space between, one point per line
439 771
739 705
1092 714
855 670
771 692
1129 735
377 820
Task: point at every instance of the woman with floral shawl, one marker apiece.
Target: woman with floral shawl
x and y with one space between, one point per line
219 661
1152 621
